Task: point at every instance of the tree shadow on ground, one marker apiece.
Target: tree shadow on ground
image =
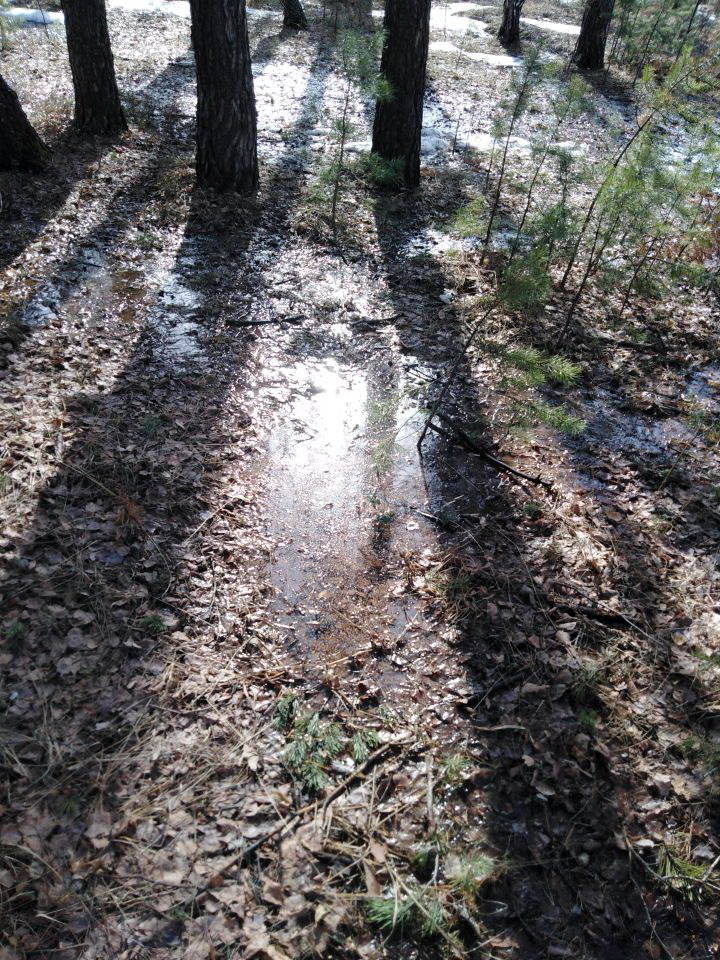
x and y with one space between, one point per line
560 791
97 581
65 269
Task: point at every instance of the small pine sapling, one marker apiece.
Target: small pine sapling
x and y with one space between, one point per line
523 87
572 103
359 55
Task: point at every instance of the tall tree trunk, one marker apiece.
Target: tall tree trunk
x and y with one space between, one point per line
590 48
398 120
20 147
226 118
294 15
97 102
509 32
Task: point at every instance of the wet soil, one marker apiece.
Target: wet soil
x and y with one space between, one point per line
213 499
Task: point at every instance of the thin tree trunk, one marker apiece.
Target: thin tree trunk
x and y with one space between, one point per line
20 146
590 48
397 129
360 13
97 101
294 15
509 32
226 117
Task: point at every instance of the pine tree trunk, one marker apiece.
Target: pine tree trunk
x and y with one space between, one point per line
509 32
20 147
294 15
590 49
97 102
398 120
226 118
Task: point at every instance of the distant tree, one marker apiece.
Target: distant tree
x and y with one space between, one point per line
20 146
398 117
226 117
589 51
97 101
509 32
294 15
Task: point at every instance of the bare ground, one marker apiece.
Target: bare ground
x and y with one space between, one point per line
212 529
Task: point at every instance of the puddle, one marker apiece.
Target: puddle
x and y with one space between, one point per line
633 433
173 321
345 489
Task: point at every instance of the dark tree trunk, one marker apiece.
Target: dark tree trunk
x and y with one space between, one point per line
509 32
398 120
226 118
294 15
20 147
97 102
590 49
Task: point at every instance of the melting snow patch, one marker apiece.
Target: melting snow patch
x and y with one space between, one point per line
449 17
28 15
494 59
175 8
552 26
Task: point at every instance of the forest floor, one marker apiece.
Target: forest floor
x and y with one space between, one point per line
239 607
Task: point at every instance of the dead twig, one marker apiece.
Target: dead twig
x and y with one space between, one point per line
286 825
458 434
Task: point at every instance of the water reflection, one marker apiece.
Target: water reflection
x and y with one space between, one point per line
346 488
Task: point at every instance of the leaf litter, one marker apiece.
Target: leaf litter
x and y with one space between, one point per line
273 686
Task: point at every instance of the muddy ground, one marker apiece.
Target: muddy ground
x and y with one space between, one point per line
264 666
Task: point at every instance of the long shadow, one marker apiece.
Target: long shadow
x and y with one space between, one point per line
63 276
92 587
30 201
562 792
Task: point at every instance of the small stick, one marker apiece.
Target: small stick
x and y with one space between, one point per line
283 827
453 373
488 457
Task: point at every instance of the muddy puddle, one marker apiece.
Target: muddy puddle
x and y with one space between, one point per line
347 499
634 434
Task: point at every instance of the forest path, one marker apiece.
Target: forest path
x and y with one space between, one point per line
229 581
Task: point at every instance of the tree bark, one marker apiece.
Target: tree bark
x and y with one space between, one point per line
509 32
590 48
226 117
20 146
397 129
97 101
294 15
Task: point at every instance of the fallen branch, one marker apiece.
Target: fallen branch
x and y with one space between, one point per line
469 444
282 828
453 373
